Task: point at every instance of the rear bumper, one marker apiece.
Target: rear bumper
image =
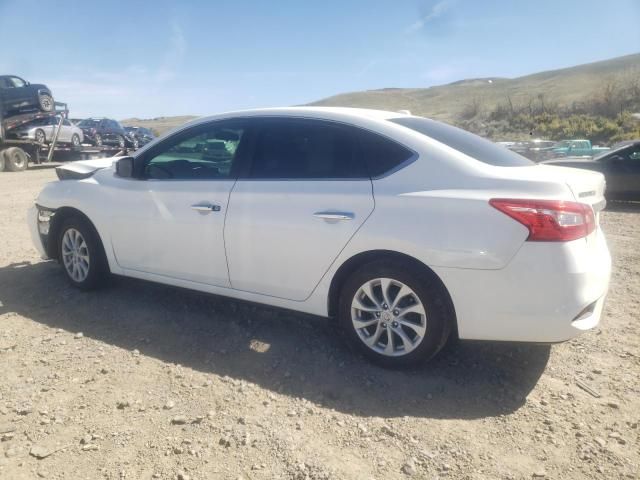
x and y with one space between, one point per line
549 292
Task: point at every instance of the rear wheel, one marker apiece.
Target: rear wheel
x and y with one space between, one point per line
41 138
394 314
46 102
97 140
15 159
121 142
81 254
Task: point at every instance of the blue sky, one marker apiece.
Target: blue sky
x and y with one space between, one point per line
162 57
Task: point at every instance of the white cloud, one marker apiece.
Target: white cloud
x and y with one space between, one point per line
441 74
436 11
173 56
135 90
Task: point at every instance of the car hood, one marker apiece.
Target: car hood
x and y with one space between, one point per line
83 168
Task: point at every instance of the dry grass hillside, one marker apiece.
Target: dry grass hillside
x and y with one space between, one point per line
470 98
448 102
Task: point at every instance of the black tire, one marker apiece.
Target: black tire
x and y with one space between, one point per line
98 267
40 137
15 159
97 140
135 143
46 102
75 140
121 141
437 306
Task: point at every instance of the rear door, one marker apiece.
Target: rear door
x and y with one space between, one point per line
302 199
10 95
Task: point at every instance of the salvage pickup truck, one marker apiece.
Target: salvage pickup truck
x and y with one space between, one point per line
576 148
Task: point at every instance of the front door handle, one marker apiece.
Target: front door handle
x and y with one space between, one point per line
334 215
206 207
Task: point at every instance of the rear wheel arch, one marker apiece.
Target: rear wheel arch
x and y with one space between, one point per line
357 261
58 220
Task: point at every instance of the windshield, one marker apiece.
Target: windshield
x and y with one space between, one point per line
465 142
88 123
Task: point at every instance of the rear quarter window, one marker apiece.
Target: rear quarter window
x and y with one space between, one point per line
465 142
382 156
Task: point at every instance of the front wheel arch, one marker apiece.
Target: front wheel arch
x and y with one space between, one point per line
57 221
354 263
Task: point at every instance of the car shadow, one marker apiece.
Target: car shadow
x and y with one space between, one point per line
285 352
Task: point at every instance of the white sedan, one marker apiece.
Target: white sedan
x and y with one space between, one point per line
43 131
402 229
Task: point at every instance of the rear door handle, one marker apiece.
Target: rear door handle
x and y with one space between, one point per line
334 215
206 207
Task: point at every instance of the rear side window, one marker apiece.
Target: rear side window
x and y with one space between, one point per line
382 156
465 142
305 149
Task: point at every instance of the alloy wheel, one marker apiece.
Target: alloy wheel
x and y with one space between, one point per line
75 255
389 317
40 137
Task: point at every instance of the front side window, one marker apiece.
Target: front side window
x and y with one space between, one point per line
305 149
16 82
208 153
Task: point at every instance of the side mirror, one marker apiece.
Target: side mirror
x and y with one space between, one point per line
125 167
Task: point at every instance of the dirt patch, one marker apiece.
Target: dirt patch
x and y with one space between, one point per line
143 381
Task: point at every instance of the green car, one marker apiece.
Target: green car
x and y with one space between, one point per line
576 148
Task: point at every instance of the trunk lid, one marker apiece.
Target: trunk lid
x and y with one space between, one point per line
587 186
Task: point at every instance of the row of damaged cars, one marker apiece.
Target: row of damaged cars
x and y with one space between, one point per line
620 164
93 131
20 96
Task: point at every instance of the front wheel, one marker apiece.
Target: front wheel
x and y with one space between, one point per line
121 142
75 140
81 254
394 314
97 140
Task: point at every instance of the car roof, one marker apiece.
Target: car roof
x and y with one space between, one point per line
326 113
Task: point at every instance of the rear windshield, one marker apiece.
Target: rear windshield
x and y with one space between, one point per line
465 142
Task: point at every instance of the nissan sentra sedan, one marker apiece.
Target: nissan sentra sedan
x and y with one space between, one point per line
404 231
43 131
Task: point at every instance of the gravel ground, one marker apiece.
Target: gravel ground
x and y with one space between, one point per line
142 381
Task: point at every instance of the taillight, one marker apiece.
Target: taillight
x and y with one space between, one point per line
549 220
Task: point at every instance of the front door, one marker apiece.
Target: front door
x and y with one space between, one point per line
170 223
303 198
